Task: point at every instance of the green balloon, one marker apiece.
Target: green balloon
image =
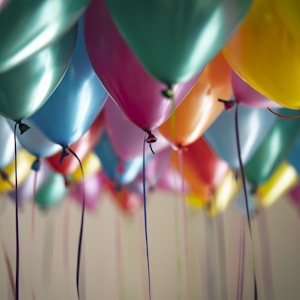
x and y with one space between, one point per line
27 86
275 148
29 25
175 39
51 192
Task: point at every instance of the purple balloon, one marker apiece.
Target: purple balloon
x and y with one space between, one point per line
126 138
134 90
246 95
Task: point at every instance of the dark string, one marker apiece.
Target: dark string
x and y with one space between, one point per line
17 217
245 193
145 216
9 268
81 223
282 116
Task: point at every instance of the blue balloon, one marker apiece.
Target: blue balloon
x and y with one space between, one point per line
76 102
117 170
254 125
34 141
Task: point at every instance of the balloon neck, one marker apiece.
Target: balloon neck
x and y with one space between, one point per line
22 127
36 165
64 154
253 189
151 138
228 104
3 175
168 92
68 181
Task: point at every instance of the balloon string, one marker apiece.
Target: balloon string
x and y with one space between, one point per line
118 254
17 218
243 250
282 116
185 227
145 217
81 223
33 205
245 194
9 268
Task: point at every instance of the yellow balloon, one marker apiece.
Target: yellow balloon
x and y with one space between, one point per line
24 163
283 179
266 54
91 165
224 194
195 201
289 10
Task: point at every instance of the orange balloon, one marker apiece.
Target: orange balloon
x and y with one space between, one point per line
200 107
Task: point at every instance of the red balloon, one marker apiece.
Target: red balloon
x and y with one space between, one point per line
82 147
137 93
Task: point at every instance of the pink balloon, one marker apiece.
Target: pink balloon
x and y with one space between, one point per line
134 90
247 95
126 138
294 194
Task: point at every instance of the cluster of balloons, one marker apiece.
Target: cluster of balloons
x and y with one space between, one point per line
95 80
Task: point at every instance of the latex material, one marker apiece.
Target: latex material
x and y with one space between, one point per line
126 138
274 149
135 91
118 171
34 141
239 202
200 107
82 147
245 94
91 165
51 192
266 54
254 125
76 102
7 146
293 156
175 39
24 162
27 86
284 178
28 26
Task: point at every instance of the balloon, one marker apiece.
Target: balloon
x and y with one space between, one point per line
289 13
224 194
34 141
246 95
51 192
200 107
76 102
28 26
266 54
175 39
90 165
27 86
117 170
282 180
69 164
24 162
126 138
92 187
135 91
254 125
293 157
7 145
294 195
274 149
3 3
239 201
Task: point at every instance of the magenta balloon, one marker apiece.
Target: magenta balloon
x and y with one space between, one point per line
135 91
246 95
125 137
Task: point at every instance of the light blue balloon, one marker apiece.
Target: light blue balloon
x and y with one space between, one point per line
76 102
34 141
118 171
240 202
254 125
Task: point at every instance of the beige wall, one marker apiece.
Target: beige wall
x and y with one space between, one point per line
51 275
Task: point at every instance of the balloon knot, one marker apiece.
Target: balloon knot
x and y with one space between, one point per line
64 154
68 181
23 127
253 189
168 92
36 165
236 175
151 138
228 104
3 175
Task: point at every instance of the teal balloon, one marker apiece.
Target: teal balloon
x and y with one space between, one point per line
175 39
274 149
293 157
52 191
28 26
27 86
